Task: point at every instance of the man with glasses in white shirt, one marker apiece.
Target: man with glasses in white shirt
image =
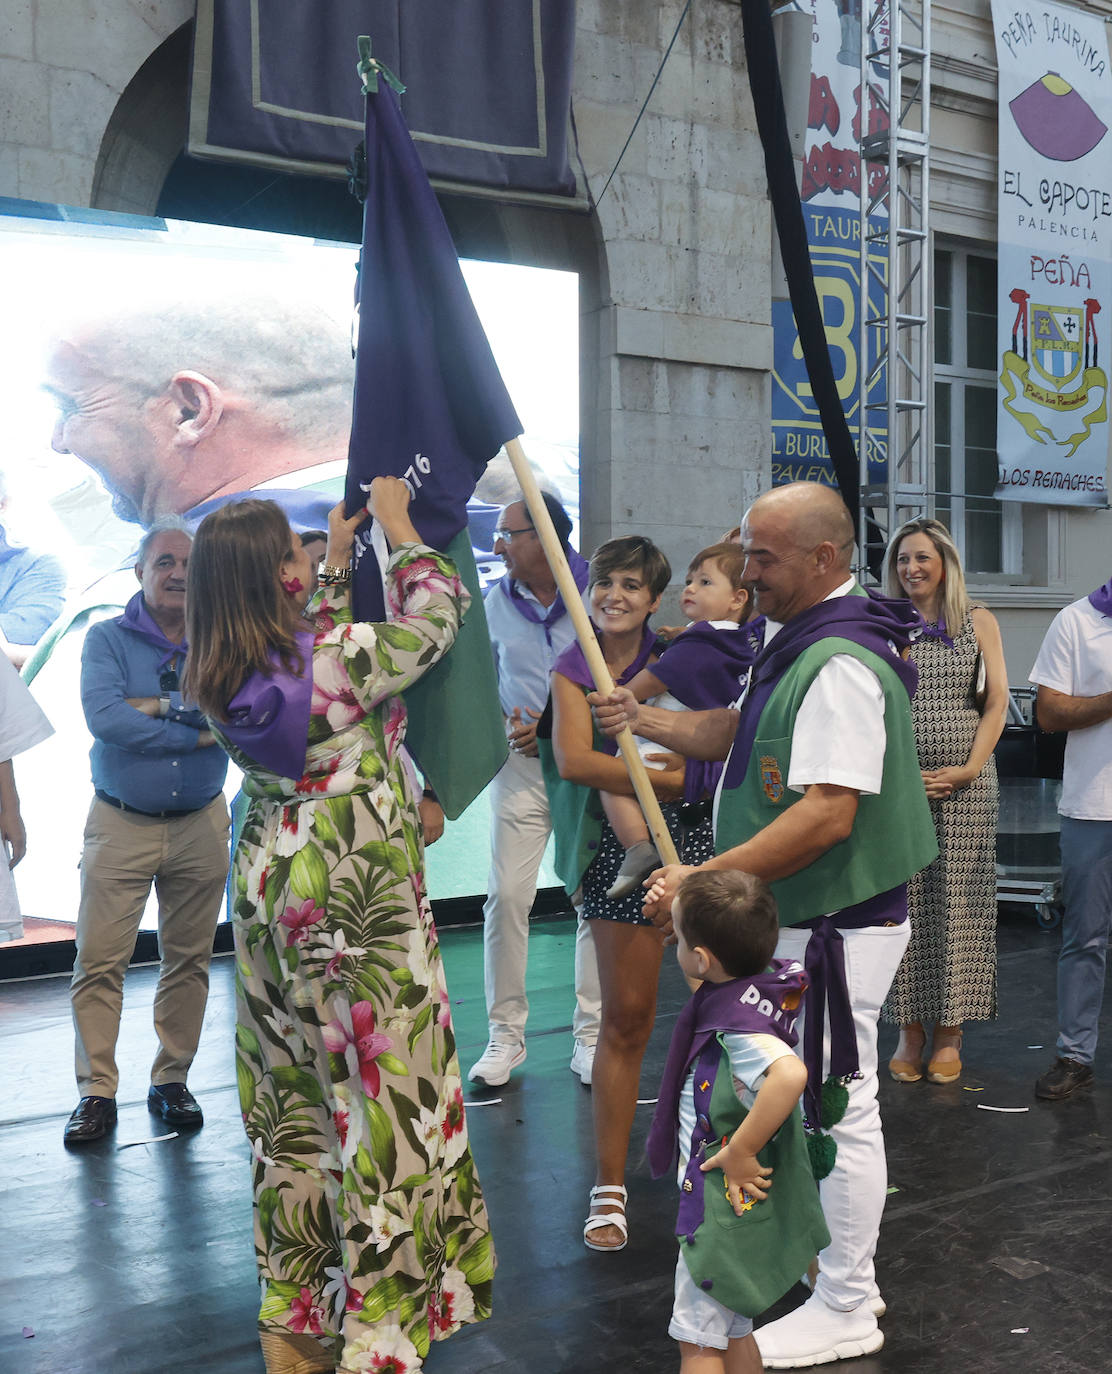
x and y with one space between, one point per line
529 629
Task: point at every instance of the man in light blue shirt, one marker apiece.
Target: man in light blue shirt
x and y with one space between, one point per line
158 816
529 628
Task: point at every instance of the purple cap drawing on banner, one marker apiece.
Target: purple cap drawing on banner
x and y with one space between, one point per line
1055 120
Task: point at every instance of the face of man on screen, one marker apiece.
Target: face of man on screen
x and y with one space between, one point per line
175 405
105 421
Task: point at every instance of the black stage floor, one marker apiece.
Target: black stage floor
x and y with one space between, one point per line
136 1258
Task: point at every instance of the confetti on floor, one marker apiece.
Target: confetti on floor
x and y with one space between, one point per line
967 1089
646 1101
984 1107
483 1102
98 1202
1020 1330
28 1332
150 1140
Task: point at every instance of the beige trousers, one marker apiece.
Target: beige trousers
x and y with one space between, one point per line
186 857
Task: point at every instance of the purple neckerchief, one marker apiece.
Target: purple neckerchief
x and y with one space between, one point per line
751 1006
874 622
824 960
572 664
935 629
138 619
579 570
1101 599
268 718
704 667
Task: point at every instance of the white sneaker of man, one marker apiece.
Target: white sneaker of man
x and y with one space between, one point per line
497 1062
583 1062
817 1334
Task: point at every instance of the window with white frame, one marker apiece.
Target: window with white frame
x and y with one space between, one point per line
988 532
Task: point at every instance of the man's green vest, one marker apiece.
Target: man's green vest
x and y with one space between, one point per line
893 835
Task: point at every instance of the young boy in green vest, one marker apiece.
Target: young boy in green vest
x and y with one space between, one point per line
729 1102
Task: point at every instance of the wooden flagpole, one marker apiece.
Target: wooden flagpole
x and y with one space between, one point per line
604 683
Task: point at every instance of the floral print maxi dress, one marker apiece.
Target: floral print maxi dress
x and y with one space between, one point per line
370 1228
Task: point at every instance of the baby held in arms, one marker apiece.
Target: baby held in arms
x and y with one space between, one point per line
701 668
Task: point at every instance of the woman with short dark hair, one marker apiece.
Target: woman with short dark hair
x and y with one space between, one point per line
626 580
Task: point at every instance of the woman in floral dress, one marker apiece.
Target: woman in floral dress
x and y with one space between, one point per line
371 1234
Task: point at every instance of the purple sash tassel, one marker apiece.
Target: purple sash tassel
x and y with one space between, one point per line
825 963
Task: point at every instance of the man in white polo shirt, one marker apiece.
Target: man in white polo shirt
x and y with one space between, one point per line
529 629
1073 672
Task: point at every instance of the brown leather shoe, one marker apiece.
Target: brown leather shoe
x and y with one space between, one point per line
92 1118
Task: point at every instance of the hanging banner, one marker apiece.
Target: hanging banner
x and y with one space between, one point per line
1055 265
831 196
487 100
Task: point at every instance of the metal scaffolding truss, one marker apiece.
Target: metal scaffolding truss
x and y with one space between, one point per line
894 376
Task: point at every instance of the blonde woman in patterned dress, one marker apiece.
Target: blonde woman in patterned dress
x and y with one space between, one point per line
948 974
371 1235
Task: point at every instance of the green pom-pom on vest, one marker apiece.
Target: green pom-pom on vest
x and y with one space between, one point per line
822 1150
835 1100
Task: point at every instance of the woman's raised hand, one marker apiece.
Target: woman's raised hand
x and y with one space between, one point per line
341 534
388 501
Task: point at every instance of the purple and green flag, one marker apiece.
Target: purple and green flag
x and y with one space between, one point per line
430 407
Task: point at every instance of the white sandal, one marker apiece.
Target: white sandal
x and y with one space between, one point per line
598 1220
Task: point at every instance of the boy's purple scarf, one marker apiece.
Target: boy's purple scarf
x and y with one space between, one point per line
751 1006
874 622
268 718
1101 599
579 569
138 619
704 668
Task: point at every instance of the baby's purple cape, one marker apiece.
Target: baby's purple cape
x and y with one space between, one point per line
705 667
268 718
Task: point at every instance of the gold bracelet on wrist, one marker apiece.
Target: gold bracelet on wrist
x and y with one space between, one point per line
330 575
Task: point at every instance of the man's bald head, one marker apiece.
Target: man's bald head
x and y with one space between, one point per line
815 514
799 544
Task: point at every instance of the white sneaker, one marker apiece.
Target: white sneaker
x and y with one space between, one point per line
497 1062
874 1302
583 1062
817 1334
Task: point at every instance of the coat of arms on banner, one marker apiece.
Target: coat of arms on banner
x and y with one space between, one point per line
1051 379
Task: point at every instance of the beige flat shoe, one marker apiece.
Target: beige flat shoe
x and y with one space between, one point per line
294 1354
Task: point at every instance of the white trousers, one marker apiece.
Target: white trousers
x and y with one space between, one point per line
519 830
853 1193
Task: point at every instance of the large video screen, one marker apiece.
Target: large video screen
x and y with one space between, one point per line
89 463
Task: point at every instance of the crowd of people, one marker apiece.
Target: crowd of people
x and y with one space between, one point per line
824 760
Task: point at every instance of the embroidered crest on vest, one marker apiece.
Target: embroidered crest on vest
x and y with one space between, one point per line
771 779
